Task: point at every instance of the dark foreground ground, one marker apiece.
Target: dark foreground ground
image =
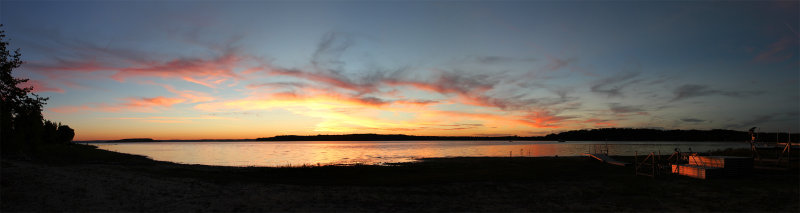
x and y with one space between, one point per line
79 178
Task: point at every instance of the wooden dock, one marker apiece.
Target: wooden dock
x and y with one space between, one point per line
606 159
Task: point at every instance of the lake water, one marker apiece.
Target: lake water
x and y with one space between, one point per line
298 153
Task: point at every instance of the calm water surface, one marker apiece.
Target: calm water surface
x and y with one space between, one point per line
298 153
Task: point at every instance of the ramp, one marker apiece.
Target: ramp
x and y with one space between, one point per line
606 159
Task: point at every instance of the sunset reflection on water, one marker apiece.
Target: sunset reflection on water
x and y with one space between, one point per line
299 153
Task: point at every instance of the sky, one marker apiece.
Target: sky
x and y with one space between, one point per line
248 69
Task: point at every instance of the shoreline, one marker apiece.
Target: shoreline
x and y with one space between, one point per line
497 140
79 178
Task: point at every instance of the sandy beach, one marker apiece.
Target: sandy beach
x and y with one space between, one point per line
107 181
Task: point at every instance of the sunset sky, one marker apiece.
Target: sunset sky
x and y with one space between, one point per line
246 69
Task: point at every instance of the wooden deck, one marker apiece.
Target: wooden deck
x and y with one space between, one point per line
606 159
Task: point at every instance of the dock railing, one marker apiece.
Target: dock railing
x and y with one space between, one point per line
654 165
646 167
600 149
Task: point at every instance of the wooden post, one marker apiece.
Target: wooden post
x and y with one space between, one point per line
654 164
786 149
635 161
789 145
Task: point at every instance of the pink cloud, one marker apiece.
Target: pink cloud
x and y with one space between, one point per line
544 119
533 119
70 109
333 80
39 86
130 104
152 102
209 72
188 95
162 119
417 102
468 90
313 94
779 51
214 71
464 93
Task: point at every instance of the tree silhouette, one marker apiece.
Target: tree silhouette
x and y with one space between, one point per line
22 126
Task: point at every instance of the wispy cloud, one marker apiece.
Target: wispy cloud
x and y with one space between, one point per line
494 60
213 71
558 63
687 91
163 119
128 104
618 109
336 80
754 121
189 95
783 49
122 64
788 119
39 86
612 86
329 50
595 122
693 120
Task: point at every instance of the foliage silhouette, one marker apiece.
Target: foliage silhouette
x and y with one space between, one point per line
607 134
22 126
630 134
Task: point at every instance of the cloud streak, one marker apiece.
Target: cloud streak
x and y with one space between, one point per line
128 105
613 86
121 65
619 109
39 86
688 91
778 51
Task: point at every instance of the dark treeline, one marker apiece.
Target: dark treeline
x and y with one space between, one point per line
377 137
606 134
136 140
23 129
628 134
126 140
